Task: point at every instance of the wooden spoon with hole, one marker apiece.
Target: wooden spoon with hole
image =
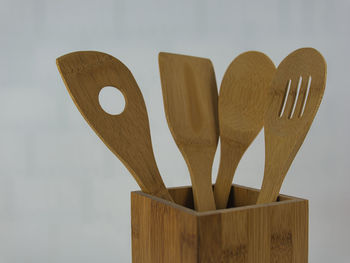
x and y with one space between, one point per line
127 135
242 105
190 102
296 94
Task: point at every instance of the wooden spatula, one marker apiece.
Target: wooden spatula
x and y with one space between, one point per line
242 106
127 135
190 102
295 96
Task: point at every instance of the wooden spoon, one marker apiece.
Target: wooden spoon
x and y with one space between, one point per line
127 135
190 102
296 94
242 105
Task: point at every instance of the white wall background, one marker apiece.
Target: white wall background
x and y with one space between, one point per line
65 198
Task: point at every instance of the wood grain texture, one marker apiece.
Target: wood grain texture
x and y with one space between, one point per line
242 106
169 232
127 135
190 103
285 133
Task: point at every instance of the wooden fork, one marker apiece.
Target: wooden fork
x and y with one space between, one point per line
295 96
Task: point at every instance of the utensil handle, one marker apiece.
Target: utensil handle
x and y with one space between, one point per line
229 159
199 162
276 167
164 194
269 191
274 174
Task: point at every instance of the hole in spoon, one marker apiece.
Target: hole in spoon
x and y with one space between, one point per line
285 98
111 100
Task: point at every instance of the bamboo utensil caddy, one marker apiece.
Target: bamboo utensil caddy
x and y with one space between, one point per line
168 232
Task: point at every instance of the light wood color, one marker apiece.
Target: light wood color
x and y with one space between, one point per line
242 106
247 233
127 135
190 102
284 135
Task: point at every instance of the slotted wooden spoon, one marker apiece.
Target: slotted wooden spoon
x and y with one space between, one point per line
127 135
242 106
295 96
190 102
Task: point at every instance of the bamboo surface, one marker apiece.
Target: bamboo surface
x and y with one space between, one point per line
127 135
295 96
190 103
173 232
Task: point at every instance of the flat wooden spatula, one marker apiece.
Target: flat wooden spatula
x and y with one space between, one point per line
295 96
127 135
242 106
190 102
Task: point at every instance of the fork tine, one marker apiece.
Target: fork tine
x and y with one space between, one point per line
284 98
302 95
291 97
315 96
292 113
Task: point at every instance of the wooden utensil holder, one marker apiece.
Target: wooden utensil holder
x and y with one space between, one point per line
165 232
